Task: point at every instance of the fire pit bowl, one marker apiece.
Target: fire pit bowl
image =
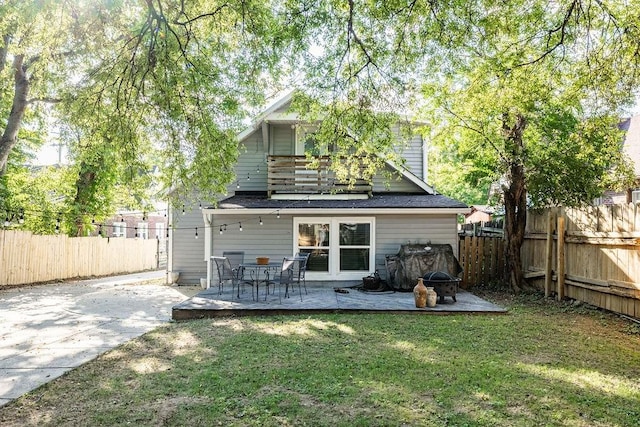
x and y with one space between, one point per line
443 283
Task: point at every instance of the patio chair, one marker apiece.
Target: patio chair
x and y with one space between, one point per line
304 256
287 277
236 258
227 273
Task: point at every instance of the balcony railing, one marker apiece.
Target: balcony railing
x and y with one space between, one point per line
291 175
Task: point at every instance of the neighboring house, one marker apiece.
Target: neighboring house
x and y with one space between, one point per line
631 148
278 207
139 225
479 213
136 224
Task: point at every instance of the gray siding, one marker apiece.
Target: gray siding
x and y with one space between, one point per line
411 151
395 184
251 169
282 140
186 253
272 239
395 230
413 156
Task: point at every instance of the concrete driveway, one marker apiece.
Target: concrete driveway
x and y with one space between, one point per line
47 330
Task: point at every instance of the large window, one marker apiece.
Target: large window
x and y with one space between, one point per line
355 242
314 238
337 247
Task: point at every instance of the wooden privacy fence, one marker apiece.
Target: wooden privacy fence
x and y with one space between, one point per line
27 258
590 254
481 258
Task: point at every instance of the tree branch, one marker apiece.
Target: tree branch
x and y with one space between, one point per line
562 28
465 125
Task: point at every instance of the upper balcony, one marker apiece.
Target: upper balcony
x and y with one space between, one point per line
290 177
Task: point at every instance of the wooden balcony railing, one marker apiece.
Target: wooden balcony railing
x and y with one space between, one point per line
290 175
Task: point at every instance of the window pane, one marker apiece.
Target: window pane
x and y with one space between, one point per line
354 259
355 234
310 235
318 260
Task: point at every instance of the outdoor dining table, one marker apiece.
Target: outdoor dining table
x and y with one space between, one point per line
260 273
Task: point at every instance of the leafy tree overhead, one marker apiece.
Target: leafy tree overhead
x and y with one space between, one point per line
129 77
523 92
531 93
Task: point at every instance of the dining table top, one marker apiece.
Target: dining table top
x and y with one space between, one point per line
271 264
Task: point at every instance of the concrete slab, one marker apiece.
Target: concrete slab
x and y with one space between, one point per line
16 382
321 297
47 330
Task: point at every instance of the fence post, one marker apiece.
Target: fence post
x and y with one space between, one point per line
561 260
549 253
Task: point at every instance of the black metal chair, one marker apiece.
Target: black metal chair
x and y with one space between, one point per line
236 258
287 276
227 273
304 256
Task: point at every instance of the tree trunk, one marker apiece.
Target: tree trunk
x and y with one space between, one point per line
515 203
85 187
9 137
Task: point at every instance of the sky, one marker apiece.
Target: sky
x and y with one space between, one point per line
48 155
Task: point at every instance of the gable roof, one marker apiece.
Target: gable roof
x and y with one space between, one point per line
270 113
255 124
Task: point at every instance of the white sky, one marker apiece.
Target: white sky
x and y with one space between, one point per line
48 155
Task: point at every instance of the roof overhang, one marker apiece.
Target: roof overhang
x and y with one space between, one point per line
412 178
337 211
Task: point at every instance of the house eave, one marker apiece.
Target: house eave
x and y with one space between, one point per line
338 211
412 178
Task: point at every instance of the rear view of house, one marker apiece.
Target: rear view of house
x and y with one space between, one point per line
278 206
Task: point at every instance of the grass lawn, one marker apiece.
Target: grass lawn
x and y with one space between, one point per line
544 363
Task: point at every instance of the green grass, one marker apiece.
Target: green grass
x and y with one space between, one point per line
545 363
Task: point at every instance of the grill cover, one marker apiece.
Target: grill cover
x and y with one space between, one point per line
414 260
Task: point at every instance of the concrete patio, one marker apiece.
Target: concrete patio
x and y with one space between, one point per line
321 297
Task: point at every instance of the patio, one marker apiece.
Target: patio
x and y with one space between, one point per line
322 298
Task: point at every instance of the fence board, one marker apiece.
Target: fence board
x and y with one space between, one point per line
602 255
481 258
27 258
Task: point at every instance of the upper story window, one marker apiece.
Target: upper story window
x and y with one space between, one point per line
306 141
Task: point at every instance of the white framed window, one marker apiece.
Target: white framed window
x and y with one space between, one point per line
143 230
160 230
119 229
339 247
306 142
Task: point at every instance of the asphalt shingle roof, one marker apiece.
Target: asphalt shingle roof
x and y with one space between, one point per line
378 201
